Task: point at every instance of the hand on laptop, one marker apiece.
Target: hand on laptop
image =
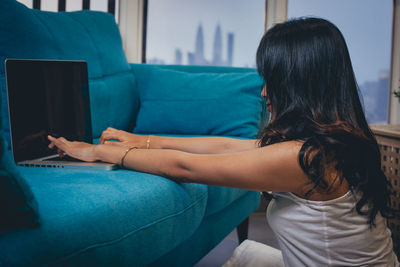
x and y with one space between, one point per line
78 150
123 138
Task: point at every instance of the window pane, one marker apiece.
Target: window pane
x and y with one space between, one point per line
73 5
207 32
28 3
99 5
367 28
49 5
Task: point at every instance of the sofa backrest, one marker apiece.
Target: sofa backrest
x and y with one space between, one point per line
82 35
198 100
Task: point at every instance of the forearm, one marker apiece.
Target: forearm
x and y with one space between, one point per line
166 163
203 145
176 165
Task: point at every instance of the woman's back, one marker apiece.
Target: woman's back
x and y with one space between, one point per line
328 233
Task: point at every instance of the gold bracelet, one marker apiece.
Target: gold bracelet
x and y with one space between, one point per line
148 142
125 153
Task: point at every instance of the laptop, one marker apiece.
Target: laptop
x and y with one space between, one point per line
48 97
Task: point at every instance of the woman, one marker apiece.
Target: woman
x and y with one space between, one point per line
317 151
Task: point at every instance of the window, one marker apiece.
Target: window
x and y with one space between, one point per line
367 28
207 32
74 5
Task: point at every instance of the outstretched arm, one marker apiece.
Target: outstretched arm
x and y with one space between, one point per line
197 145
271 168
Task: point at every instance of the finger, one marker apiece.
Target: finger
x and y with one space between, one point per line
51 145
111 136
51 139
62 139
102 137
113 131
105 134
58 142
111 143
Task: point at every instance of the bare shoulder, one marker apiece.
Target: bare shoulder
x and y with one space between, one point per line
284 164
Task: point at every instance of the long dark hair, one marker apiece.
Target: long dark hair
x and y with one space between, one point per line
314 98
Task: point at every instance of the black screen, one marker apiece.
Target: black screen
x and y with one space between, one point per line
46 97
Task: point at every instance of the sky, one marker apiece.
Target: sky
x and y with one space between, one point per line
173 24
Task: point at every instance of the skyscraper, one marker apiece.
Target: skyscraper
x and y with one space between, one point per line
217 52
229 52
197 57
199 47
178 57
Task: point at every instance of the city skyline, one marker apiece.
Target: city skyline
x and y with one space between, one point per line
198 57
173 25
374 96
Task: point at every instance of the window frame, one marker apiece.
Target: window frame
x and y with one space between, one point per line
132 26
394 103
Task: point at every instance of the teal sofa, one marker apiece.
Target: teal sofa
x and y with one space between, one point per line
122 217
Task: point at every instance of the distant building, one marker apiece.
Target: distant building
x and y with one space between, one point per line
178 57
155 60
229 52
375 95
217 51
383 96
191 60
198 58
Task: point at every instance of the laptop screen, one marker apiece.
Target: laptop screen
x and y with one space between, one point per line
46 97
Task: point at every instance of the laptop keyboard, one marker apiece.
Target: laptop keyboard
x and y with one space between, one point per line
65 158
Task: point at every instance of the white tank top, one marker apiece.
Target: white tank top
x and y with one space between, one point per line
328 233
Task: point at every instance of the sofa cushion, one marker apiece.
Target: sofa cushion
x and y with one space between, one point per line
18 207
94 217
210 103
82 35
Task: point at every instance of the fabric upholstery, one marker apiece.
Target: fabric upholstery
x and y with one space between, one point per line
18 207
179 102
191 68
82 35
88 216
